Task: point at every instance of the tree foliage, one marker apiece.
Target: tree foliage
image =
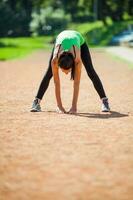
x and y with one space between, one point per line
48 21
18 17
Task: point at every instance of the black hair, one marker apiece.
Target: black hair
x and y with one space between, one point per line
66 61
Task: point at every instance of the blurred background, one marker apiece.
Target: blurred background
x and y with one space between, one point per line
26 25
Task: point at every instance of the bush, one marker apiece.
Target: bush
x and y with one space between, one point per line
48 21
13 23
5 24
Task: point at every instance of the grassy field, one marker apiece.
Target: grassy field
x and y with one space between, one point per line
11 48
96 35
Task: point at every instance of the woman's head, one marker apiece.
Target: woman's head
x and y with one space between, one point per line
66 62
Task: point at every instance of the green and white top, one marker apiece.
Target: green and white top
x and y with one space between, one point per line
68 38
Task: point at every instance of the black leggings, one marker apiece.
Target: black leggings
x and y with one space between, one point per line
86 59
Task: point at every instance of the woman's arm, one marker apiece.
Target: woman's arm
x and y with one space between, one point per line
57 85
76 87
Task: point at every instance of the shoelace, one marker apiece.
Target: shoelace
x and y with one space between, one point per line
105 102
36 101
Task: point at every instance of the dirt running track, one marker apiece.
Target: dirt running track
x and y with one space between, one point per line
50 156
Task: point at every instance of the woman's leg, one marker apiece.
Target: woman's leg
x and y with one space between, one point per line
86 59
46 79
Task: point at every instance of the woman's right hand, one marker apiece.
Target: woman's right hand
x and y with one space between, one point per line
60 110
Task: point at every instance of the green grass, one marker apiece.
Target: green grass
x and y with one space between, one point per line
86 27
12 48
97 34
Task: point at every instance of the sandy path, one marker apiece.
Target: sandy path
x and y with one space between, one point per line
47 156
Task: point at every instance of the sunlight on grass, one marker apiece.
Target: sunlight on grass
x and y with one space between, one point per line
97 34
11 48
85 27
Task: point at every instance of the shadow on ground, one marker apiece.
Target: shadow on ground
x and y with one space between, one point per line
111 114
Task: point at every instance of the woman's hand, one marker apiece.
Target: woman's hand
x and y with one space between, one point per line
60 110
73 111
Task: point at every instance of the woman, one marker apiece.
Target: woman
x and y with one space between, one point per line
68 54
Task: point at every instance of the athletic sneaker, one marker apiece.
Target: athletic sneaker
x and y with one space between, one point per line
36 106
105 105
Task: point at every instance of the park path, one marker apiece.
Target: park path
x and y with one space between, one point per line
50 156
122 52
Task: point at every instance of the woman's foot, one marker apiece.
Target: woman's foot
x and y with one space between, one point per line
36 106
105 105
